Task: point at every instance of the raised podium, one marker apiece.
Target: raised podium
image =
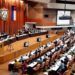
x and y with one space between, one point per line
1 48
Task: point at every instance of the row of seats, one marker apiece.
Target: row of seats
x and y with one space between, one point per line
67 59
54 52
54 56
8 39
43 49
34 54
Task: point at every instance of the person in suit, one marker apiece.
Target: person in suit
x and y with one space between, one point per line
62 67
21 59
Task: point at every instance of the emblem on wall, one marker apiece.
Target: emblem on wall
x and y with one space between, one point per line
3 14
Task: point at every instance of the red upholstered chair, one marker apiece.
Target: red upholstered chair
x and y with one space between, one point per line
37 67
67 72
53 56
47 63
58 54
42 65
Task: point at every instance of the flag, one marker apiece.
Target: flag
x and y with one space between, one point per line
13 13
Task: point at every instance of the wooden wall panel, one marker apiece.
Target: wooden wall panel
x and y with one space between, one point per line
7 23
1 23
36 14
42 21
0 18
12 27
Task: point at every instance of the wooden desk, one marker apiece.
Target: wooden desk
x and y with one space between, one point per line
37 34
14 54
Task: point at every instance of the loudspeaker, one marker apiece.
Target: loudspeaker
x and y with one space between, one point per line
46 15
47 36
38 39
26 44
